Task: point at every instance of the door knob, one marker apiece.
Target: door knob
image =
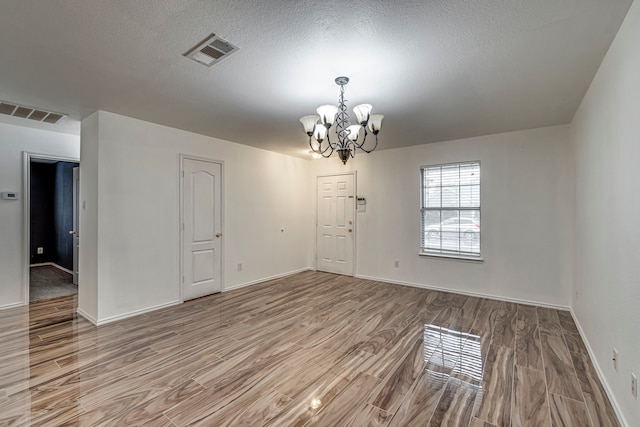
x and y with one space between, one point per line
218 235
350 230
72 232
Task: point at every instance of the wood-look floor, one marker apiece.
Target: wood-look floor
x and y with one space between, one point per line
313 349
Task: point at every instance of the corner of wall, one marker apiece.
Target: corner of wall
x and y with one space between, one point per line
88 221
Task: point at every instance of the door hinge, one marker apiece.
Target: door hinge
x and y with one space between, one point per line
183 174
182 279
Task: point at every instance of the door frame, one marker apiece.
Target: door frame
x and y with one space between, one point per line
27 156
355 219
181 158
76 225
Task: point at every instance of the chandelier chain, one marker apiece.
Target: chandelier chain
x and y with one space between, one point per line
342 121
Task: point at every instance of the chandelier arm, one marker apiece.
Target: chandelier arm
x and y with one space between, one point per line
314 149
319 148
360 145
332 144
327 155
324 153
357 144
374 145
328 148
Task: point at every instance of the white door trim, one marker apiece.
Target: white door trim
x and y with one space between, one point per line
355 219
76 224
182 158
27 156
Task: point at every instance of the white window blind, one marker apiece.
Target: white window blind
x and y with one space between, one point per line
450 210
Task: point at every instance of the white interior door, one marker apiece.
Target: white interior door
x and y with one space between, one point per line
202 228
335 224
76 215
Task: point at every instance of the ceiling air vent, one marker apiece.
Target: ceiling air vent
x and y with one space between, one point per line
11 109
211 51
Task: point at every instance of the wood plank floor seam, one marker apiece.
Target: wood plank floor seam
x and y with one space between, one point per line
545 375
311 349
584 398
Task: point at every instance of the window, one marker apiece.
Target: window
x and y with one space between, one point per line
450 210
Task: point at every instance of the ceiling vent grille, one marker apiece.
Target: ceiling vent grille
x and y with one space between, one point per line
211 51
39 115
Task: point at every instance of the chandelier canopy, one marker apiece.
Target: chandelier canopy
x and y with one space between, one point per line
347 137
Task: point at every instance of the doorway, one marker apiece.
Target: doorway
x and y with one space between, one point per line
201 218
335 223
50 226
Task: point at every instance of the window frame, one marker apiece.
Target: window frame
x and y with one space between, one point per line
452 255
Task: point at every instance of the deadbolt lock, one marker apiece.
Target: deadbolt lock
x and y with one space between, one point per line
218 235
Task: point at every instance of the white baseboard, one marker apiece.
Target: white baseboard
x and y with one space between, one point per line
125 315
12 305
601 376
87 316
52 264
266 279
169 304
472 294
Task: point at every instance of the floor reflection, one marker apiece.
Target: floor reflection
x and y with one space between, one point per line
455 352
38 363
14 368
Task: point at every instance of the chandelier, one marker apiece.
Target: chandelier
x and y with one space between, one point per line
347 137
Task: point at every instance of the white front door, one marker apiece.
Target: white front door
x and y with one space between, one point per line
335 224
202 228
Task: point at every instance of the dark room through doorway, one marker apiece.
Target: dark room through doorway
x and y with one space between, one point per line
53 235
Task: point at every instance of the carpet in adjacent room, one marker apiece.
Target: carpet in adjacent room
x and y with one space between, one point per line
48 282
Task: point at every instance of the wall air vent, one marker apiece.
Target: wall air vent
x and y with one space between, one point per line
39 115
211 50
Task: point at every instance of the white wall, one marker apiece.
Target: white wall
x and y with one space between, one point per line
88 233
138 212
605 138
13 141
526 215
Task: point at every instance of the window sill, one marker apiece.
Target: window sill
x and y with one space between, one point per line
452 257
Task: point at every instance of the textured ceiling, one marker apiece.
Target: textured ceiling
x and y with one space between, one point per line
437 69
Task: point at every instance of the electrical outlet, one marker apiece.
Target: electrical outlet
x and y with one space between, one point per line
239 266
634 385
396 264
40 251
615 359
